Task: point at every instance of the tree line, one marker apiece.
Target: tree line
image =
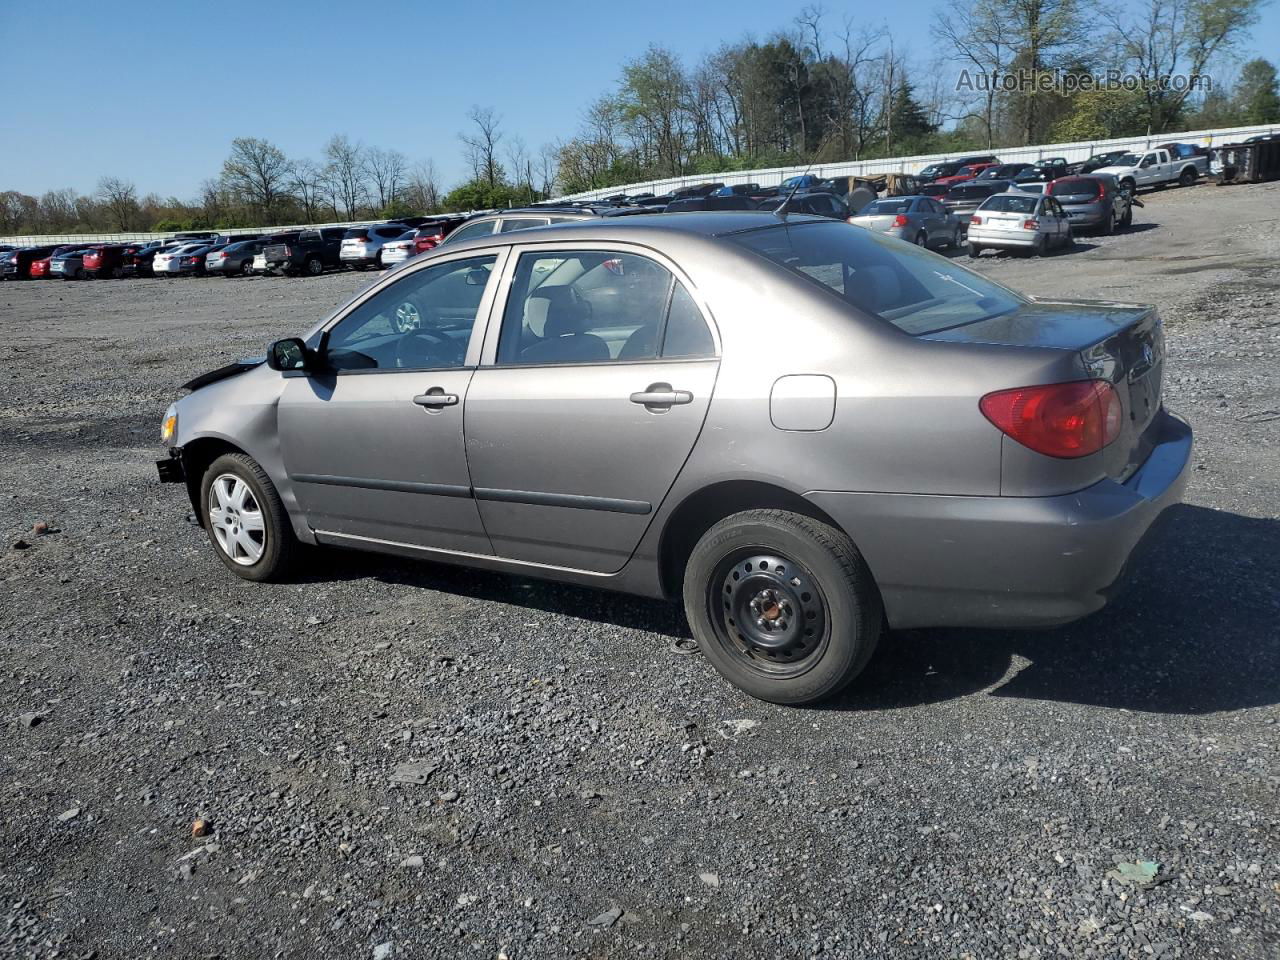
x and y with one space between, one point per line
814 91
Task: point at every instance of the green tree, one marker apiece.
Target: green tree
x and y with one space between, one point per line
480 194
1257 93
908 120
1102 115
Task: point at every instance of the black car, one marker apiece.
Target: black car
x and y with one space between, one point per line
710 202
310 253
1044 171
949 168
697 190
1098 161
818 203
1004 171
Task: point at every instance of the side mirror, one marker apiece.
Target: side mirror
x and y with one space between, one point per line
477 277
290 354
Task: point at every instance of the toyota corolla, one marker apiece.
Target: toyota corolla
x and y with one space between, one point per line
806 432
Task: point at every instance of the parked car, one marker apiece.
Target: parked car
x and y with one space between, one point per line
69 264
236 258
738 190
361 247
508 221
947 168
1043 171
1156 168
818 203
310 253
968 172
140 263
696 190
919 220
1189 151
20 262
400 249
185 260
924 448
107 260
712 202
964 198
1093 201
42 267
1002 171
1096 162
430 235
933 189
1019 221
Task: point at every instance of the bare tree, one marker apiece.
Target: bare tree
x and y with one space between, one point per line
258 171
548 168
119 199
386 169
344 174
1160 39
482 145
422 187
980 37
307 181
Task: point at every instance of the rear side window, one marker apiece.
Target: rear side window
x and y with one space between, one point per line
899 283
309 236
522 223
389 233
571 306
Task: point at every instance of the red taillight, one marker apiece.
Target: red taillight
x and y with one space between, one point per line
1030 224
900 220
975 219
1060 419
223 255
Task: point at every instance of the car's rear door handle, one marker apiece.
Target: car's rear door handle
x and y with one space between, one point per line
661 395
436 399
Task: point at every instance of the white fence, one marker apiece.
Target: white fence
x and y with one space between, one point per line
1073 152
44 240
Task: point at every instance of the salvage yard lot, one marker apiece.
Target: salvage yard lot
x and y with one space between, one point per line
590 791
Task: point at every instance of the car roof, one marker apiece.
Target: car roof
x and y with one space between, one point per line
648 229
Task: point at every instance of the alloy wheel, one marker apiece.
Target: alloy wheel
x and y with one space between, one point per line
235 517
407 317
769 611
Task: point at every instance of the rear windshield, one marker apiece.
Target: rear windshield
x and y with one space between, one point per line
309 236
971 190
916 291
1010 203
358 233
882 207
1075 188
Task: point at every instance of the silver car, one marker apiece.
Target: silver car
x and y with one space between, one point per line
399 250
509 221
803 430
362 246
1094 201
1019 220
920 220
235 259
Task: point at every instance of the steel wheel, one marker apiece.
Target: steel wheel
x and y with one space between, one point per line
315 267
235 518
407 317
769 612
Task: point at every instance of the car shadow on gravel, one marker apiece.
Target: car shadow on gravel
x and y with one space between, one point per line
1193 633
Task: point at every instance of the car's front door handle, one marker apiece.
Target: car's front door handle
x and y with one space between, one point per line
661 395
435 397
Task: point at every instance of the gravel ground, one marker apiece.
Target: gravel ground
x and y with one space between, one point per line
400 759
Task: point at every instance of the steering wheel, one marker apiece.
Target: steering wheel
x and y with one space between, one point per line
414 347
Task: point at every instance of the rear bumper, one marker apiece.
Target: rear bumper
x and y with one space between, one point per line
1010 561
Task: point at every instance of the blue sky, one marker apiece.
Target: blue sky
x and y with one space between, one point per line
155 93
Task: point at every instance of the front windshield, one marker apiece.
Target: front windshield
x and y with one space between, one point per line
914 290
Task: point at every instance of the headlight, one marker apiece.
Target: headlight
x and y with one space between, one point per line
169 426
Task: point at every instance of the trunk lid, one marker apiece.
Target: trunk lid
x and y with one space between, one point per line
1122 344
277 251
877 222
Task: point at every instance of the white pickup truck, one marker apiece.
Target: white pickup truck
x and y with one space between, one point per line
1154 168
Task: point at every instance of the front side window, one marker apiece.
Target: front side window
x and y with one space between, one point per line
577 306
914 290
423 321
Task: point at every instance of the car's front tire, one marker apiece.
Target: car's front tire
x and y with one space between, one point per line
245 520
782 605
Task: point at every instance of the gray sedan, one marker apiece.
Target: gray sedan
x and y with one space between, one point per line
920 220
235 259
804 431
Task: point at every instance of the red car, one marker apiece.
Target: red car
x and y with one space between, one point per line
429 235
965 173
40 267
108 260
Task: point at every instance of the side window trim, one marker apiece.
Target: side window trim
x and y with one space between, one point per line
479 329
489 350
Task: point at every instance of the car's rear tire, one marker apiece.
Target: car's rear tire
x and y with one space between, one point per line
245 520
1109 225
1127 219
1187 177
975 250
782 605
1037 246
922 240
314 266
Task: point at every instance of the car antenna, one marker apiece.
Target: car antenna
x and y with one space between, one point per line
781 210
